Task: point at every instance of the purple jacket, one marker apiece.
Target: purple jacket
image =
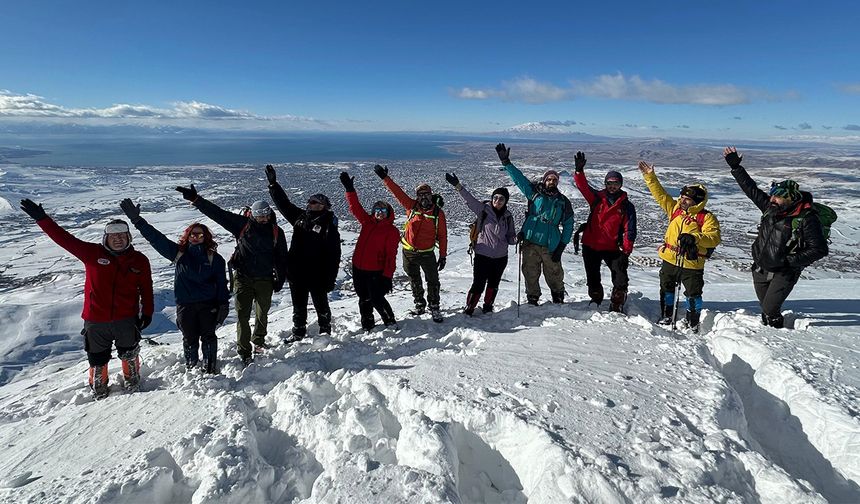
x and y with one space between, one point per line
496 234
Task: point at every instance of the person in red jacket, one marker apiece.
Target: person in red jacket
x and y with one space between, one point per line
118 301
374 258
608 234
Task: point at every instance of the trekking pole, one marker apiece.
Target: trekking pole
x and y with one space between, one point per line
679 262
519 251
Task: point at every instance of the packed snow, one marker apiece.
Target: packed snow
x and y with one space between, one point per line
554 403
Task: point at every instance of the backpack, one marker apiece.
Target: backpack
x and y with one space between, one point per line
234 257
826 216
700 219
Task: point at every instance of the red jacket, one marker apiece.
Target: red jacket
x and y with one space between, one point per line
610 226
376 248
116 285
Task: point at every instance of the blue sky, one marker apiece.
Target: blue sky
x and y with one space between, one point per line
732 70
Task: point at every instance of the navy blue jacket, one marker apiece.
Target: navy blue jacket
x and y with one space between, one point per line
195 279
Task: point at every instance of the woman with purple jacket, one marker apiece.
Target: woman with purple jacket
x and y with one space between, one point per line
496 231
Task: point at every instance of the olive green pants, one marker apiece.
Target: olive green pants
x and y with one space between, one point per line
535 259
251 292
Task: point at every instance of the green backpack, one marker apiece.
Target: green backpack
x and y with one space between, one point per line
826 216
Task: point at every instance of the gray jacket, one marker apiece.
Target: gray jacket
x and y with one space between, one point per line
496 234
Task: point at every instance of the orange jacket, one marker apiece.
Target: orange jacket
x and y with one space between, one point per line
422 231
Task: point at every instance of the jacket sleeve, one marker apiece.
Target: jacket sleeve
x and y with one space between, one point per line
442 234
404 199
290 211
162 244
474 205
356 209
709 236
145 287
282 260
749 187
567 222
587 191
511 234
814 245
520 180
230 221
629 229
77 247
666 202
392 240
222 292
335 252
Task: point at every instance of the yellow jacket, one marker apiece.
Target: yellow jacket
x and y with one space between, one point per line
684 222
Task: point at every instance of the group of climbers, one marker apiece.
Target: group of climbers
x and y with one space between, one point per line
118 292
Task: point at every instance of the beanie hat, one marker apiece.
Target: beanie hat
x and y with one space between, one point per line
788 189
694 192
548 173
504 192
613 176
321 198
113 227
423 188
260 209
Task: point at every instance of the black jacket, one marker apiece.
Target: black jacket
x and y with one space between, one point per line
774 249
315 246
261 249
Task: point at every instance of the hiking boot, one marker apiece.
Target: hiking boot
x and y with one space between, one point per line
487 308
436 313
325 329
190 365
489 298
558 297
418 310
693 320
665 315
471 302
596 295
296 334
246 361
131 369
532 300
617 300
392 325
210 366
261 347
99 382
777 322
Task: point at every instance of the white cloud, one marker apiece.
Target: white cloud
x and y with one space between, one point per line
850 88
618 87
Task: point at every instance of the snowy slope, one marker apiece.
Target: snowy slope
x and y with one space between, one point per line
554 404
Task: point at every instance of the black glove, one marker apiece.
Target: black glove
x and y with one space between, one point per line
385 284
579 162
131 210
143 322
381 171
687 246
452 179
223 311
271 176
556 254
347 181
440 264
504 154
520 237
733 159
36 212
189 193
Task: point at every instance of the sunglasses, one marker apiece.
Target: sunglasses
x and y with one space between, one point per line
498 197
315 202
613 183
198 234
380 210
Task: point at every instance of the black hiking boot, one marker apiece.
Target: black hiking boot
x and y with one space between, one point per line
436 313
558 297
665 316
693 320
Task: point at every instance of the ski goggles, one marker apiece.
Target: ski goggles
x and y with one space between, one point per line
116 227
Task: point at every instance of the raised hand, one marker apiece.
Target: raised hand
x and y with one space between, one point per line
645 168
732 157
36 212
131 210
381 171
189 193
504 154
271 176
452 179
579 161
347 181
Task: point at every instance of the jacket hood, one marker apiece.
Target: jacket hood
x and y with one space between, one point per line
390 218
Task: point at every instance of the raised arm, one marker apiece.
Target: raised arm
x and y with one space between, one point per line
477 207
78 248
162 244
290 211
403 198
666 202
228 220
588 192
355 207
746 183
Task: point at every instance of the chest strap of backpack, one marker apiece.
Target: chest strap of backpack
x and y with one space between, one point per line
209 256
434 216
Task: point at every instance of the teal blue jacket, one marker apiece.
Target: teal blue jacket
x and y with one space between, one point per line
545 213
